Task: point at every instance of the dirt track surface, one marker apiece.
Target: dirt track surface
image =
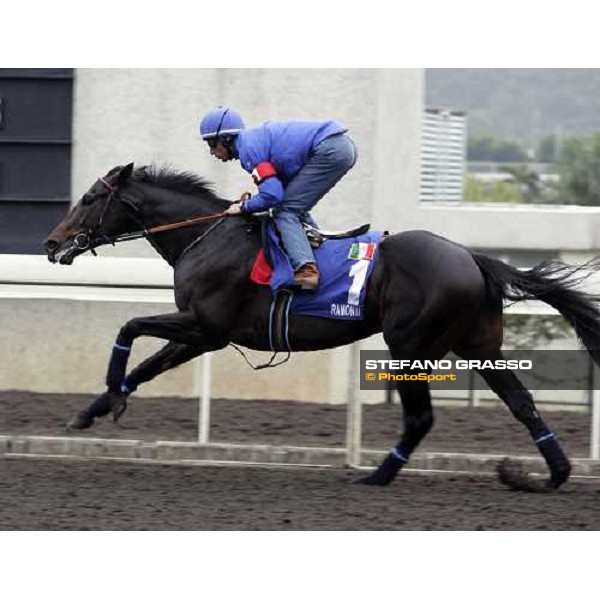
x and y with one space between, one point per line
57 495
457 429
47 494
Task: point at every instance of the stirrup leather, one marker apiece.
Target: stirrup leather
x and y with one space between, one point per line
317 236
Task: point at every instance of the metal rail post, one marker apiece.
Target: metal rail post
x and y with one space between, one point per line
474 393
595 412
354 409
595 428
204 405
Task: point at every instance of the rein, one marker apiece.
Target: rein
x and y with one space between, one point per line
87 241
134 235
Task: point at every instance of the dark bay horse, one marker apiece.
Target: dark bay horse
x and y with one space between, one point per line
427 295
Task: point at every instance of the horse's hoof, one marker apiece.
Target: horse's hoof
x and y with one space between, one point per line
81 420
559 477
375 478
118 405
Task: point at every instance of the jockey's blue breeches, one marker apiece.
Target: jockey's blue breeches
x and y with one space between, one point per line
327 164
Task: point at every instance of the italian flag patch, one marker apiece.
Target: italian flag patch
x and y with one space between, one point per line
362 251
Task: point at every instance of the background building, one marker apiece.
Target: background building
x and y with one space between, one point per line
61 129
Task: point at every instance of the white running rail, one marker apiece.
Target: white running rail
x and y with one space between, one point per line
111 279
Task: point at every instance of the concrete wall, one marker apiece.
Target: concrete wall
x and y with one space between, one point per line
571 230
62 346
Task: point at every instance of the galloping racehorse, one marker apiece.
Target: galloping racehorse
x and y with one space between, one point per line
428 296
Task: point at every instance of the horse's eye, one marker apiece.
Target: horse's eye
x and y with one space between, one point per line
87 199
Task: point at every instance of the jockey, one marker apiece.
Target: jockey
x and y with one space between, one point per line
294 164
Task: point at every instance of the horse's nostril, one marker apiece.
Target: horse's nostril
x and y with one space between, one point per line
51 245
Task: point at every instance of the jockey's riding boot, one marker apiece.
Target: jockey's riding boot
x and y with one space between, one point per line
307 277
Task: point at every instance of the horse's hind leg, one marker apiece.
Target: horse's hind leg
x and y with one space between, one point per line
405 343
418 420
422 331
520 403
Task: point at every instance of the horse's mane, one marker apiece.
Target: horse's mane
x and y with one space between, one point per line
184 182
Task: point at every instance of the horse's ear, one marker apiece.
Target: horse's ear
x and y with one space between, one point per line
125 173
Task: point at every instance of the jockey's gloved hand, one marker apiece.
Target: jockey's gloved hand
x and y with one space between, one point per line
234 209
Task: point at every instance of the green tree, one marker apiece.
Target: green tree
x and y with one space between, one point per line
529 181
526 332
579 170
491 191
548 149
491 148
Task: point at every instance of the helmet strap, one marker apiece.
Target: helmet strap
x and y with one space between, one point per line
228 142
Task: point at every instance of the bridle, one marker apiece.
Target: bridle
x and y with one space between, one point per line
85 240
90 241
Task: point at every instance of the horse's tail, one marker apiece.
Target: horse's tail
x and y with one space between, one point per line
552 282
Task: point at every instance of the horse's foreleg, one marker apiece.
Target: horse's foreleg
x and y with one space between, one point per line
186 342
418 420
180 328
170 356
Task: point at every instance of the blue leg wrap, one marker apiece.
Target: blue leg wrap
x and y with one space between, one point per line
555 458
399 455
543 438
117 366
388 469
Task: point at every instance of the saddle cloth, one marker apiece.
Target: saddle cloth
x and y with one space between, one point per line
345 266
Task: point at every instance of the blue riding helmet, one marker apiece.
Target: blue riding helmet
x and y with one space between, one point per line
221 121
